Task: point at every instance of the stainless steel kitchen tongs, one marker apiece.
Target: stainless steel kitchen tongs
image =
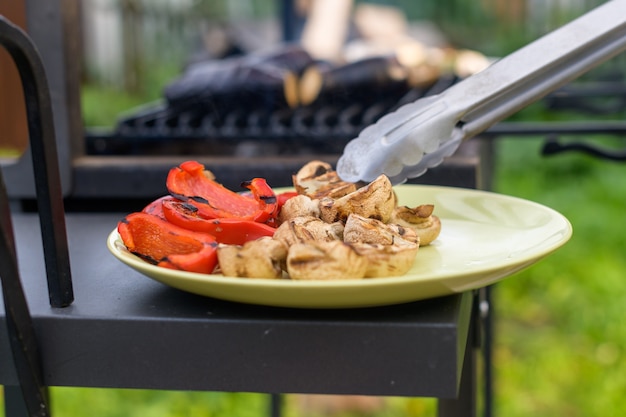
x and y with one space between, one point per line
419 135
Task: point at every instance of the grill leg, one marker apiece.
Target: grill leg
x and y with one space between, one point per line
276 404
465 404
19 324
487 311
14 405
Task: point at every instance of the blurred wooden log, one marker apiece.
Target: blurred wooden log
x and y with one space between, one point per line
380 23
365 79
326 29
468 62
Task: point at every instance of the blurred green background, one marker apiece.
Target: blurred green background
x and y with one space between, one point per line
560 337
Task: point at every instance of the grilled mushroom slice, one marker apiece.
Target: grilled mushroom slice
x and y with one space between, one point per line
298 206
262 258
325 261
359 229
307 228
421 219
387 260
375 200
317 179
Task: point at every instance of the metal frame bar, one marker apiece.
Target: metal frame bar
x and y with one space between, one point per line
21 334
20 330
45 160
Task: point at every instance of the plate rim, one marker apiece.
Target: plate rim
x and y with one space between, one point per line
116 247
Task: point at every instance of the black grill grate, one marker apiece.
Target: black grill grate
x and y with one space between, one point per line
200 129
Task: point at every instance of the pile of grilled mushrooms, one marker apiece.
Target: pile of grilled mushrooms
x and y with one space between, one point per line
335 230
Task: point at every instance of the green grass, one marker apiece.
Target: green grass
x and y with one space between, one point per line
72 402
560 337
102 105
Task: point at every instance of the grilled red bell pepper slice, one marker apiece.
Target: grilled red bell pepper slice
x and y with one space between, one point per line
156 207
190 182
230 231
164 244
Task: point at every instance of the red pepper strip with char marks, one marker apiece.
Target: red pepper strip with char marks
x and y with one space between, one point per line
156 207
227 230
167 245
190 183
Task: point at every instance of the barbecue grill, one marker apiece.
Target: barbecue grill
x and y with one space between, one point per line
131 162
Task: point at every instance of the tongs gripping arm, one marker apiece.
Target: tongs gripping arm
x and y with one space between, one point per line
532 72
419 135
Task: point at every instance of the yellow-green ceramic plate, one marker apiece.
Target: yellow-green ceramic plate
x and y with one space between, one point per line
485 237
